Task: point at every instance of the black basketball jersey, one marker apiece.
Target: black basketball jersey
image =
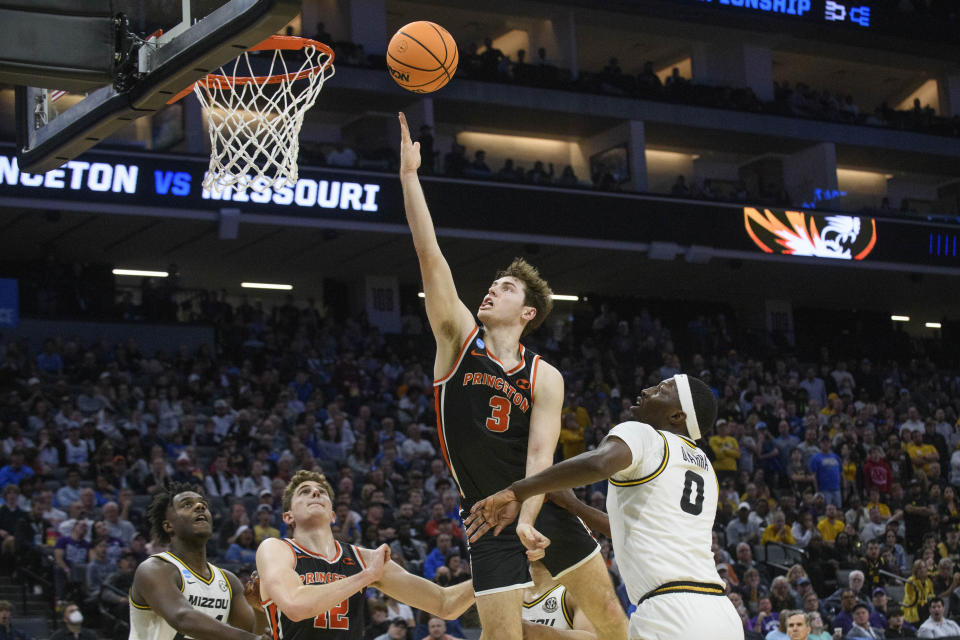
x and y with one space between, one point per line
344 621
483 419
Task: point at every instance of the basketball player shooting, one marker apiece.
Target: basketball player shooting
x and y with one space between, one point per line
498 419
661 503
177 594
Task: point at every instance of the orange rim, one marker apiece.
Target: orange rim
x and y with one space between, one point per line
273 43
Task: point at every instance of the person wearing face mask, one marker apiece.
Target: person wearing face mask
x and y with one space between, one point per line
73 626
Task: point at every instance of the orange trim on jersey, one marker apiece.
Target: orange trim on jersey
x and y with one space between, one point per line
533 375
274 621
459 358
359 555
314 554
442 440
512 371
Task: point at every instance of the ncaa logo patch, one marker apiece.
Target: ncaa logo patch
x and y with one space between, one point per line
223 585
480 344
550 604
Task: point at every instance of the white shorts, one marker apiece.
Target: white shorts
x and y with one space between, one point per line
673 616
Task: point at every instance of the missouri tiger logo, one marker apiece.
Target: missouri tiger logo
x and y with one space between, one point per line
797 233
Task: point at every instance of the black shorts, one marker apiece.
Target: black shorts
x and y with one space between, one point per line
570 542
499 563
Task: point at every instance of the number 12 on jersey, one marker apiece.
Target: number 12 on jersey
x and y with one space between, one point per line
336 618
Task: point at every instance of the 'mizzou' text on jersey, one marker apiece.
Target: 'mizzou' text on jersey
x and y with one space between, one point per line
498 383
209 603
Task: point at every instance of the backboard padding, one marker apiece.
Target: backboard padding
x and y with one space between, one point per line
213 41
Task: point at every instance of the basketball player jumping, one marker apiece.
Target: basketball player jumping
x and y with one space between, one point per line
498 419
177 594
312 587
662 502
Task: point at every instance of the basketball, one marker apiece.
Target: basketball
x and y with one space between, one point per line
422 57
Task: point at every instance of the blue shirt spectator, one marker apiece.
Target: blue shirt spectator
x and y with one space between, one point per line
827 467
438 557
16 471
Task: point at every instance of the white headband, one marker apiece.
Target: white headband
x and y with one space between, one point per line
686 403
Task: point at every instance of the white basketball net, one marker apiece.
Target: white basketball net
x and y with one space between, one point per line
254 125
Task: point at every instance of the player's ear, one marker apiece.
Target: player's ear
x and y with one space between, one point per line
167 527
678 419
287 518
529 313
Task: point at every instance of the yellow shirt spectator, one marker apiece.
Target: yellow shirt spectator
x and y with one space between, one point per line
882 509
262 533
829 530
571 437
582 415
771 534
725 448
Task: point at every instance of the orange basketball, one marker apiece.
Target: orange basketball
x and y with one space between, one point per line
422 57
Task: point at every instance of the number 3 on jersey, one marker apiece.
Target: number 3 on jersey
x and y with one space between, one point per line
692 481
336 618
499 420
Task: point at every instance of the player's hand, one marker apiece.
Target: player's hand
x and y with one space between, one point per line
535 542
251 591
494 512
409 150
377 563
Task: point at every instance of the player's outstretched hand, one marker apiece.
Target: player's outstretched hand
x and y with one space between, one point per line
494 512
381 556
535 542
251 591
409 150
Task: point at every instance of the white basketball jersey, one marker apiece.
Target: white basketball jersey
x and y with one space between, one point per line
213 598
662 509
550 609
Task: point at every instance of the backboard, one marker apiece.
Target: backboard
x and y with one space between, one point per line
128 57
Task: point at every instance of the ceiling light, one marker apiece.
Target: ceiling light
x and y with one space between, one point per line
140 272
932 325
900 318
557 296
266 285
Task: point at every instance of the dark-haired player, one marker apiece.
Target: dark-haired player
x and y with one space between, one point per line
311 586
662 503
498 419
178 594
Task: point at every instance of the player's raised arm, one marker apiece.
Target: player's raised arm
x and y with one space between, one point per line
500 509
280 583
152 586
541 445
444 602
450 319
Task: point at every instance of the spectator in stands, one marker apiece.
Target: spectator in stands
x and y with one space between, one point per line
880 601
938 626
778 531
478 168
220 482
830 525
844 617
437 630
30 538
7 630
70 552
243 550
438 556
16 471
945 581
73 625
767 620
917 594
263 529
897 627
861 624
827 470
99 568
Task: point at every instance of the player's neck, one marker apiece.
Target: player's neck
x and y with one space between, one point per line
317 538
194 556
503 343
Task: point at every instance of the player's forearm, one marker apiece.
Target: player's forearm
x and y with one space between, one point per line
580 470
456 600
538 459
309 601
193 623
594 518
418 216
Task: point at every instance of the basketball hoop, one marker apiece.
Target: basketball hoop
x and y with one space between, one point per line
254 120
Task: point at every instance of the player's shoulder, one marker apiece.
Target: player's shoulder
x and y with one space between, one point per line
632 429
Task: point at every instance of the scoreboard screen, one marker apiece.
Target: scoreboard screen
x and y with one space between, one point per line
854 13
